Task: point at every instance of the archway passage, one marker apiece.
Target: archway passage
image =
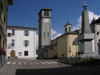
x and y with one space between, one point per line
12 54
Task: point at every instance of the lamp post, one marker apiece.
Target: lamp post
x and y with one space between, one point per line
70 54
76 54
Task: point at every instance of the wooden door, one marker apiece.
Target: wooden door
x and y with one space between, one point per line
12 54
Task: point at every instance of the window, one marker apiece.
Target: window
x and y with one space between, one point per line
3 44
26 33
69 28
46 13
9 34
13 32
26 43
44 33
48 33
13 42
65 29
0 40
1 6
97 33
20 53
25 53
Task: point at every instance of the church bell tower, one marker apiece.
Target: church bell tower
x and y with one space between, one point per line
44 29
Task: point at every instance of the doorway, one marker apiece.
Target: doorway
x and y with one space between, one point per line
12 54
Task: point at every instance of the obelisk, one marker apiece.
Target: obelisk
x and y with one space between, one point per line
86 36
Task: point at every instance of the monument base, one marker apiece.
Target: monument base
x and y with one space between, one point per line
88 55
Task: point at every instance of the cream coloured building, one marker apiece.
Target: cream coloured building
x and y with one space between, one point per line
65 43
3 29
59 47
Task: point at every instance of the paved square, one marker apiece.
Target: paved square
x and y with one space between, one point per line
42 67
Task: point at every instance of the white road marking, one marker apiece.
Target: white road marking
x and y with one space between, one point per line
13 63
48 62
42 63
31 63
54 62
25 63
36 62
19 63
8 62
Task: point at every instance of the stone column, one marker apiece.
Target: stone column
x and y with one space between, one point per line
86 36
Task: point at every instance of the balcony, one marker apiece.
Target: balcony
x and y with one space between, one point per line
10 2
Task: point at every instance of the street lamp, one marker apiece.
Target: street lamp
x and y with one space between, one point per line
70 54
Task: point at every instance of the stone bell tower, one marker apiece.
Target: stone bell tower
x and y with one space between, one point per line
44 29
67 27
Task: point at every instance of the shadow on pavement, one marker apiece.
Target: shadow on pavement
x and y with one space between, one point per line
56 71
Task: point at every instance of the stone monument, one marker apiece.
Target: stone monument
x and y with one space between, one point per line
86 36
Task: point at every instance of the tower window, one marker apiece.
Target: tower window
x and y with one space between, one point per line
69 28
46 13
65 29
44 33
48 33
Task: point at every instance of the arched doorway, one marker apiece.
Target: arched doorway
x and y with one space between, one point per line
12 54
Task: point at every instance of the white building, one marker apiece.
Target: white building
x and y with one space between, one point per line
95 28
21 42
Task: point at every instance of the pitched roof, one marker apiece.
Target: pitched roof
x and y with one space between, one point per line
96 21
20 27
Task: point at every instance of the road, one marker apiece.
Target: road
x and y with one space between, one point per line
42 67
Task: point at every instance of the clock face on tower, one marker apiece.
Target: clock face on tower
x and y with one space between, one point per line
46 20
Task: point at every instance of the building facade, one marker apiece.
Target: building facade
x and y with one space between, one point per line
3 28
95 28
59 47
44 29
65 43
50 51
21 42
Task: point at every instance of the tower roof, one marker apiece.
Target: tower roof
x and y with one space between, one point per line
44 9
68 23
